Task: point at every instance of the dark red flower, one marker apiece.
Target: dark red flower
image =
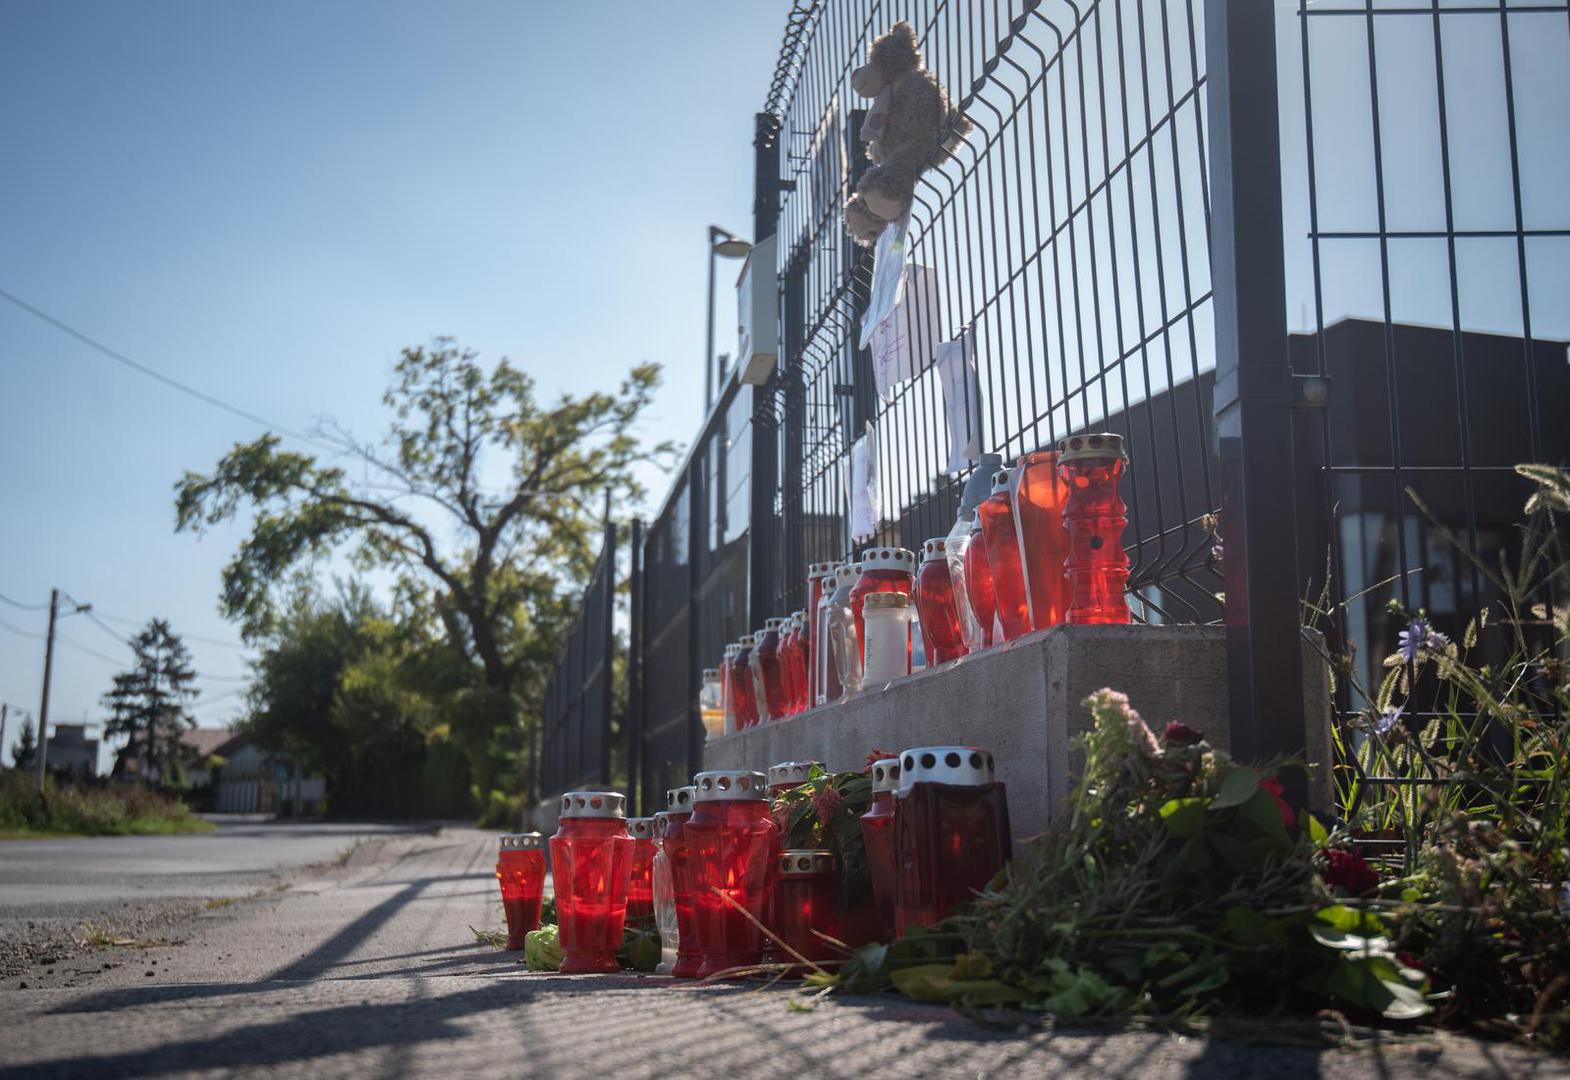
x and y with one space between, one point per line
1351 872
1178 733
827 803
1277 792
875 757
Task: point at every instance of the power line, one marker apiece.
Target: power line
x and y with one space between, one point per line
6 624
152 373
187 637
25 607
96 621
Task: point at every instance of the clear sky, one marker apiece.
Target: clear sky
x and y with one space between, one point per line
267 200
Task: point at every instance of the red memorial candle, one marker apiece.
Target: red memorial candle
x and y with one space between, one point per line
805 905
591 864
744 698
768 689
951 832
734 847
1008 580
1043 541
819 575
877 834
940 627
640 887
978 583
882 570
679 811
1091 466
520 870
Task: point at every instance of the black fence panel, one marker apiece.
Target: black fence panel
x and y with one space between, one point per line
576 748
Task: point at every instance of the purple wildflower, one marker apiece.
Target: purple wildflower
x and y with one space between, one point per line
1413 638
1435 640
1388 719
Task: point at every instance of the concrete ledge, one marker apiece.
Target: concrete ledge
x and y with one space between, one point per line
1022 701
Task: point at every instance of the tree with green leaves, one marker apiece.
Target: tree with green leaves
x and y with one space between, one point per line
479 498
26 744
150 705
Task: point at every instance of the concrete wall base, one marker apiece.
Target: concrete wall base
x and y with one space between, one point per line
1022 701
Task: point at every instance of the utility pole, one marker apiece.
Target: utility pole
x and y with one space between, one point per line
4 708
43 706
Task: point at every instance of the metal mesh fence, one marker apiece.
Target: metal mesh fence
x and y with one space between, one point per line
575 750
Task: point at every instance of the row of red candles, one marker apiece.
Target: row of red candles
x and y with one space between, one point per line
1042 549
937 830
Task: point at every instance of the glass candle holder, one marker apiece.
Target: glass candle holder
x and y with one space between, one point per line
877 834
882 570
1002 539
800 630
805 904
886 619
826 680
940 628
1043 541
743 696
710 709
951 832
977 487
765 660
678 804
727 679
789 643
820 579
734 848
1097 565
591 864
978 585
844 635
662 885
520 871
640 883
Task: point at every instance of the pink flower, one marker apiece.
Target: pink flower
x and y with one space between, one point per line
827 803
1351 873
876 756
1178 733
1272 785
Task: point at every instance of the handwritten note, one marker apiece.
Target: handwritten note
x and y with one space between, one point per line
865 494
907 341
956 364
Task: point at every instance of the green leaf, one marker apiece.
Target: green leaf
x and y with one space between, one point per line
1316 831
1260 810
936 984
1248 927
1237 787
1183 817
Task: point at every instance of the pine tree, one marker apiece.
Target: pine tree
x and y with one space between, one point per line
26 743
150 703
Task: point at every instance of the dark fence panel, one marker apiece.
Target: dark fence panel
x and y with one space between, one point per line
576 749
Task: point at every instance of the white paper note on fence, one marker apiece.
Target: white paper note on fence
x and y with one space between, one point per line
956 364
888 276
906 341
865 496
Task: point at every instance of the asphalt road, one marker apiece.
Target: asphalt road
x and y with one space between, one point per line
370 969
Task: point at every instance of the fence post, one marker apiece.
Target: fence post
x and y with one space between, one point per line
635 703
761 526
608 646
1253 396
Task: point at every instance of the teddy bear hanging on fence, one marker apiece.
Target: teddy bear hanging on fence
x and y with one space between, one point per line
911 127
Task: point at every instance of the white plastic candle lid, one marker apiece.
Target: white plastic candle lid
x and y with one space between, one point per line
797 862
522 841
934 550
593 804
966 766
793 773
1000 481
728 784
710 674
662 821
773 624
640 828
746 641
848 572
885 775
821 570
884 558
1103 444
731 651
798 616
679 800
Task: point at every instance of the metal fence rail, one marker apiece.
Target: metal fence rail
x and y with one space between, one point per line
1068 239
576 746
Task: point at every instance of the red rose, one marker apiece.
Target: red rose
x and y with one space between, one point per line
1277 792
1178 733
1349 871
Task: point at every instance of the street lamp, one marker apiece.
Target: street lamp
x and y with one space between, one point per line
727 245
